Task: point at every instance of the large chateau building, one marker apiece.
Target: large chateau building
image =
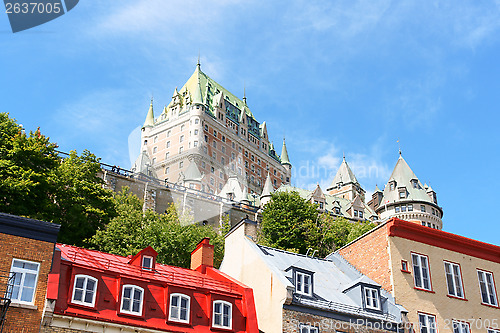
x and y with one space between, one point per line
205 137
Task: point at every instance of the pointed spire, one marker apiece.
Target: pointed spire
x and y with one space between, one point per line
198 65
268 187
197 95
284 155
175 93
377 189
244 95
150 118
344 175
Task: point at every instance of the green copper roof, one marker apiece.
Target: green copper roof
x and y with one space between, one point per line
198 80
150 118
284 155
197 95
344 175
403 176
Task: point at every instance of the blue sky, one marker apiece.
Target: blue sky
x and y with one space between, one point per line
332 76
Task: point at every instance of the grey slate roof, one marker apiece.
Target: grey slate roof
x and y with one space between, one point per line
192 172
330 201
331 278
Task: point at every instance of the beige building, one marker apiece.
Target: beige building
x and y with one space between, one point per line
445 281
205 136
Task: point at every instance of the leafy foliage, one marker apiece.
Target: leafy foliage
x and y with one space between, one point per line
292 223
132 230
37 183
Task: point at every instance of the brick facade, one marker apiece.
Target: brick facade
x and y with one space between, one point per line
22 319
361 255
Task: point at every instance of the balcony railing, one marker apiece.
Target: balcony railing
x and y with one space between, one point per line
6 287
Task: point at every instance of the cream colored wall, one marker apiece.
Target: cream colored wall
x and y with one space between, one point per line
438 303
243 263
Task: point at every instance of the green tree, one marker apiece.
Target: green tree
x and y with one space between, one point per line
132 230
292 223
36 182
83 205
288 222
27 185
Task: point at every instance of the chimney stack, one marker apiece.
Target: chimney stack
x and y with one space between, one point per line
203 256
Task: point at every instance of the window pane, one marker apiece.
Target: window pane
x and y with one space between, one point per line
89 296
137 294
136 306
78 295
126 304
27 294
90 284
79 282
29 280
183 314
126 292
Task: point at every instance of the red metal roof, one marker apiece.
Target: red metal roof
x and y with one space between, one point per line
163 273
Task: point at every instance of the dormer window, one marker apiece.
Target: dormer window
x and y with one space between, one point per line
372 298
147 263
303 283
414 183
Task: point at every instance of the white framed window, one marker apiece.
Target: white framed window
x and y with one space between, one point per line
427 323
372 299
454 279
306 328
168 144
460 327
179 308
421 273
181 164
167 170
147 262
222 314
155 150
181 138
487 287
491 330
84 290
303 283
25 280
195 144
181 149
132 297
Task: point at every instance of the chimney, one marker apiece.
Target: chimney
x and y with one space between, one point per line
203 256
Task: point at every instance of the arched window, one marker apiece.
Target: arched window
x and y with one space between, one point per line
132 297
222 314
84 290
179 308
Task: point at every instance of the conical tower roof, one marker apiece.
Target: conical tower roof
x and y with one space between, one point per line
192 173
268 187
197 95
150 118
284 155
404 176
344 175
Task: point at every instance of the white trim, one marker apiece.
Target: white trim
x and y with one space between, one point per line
221 314
456 279
370 298
488 292
430 327
133 289
188 309
146 267
23 271
84 290
418 269
300 286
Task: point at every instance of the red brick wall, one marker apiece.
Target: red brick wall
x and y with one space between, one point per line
370 256
22 320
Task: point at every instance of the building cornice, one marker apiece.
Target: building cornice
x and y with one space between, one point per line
443 239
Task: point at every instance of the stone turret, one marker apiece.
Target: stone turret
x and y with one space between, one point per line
406 198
